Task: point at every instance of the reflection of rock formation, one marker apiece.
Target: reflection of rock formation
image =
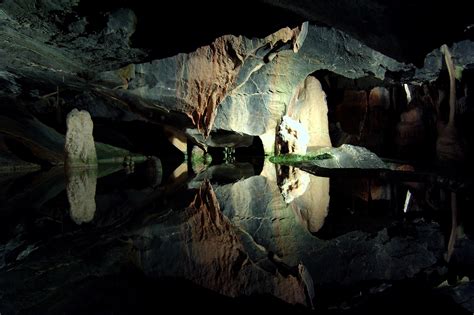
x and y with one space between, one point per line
80 188
79 147
208 250
293 182
311 208
255 246
307 195
154 171
257 206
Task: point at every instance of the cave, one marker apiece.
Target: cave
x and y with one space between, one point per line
297 156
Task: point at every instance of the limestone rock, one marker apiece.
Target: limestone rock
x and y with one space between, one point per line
462 53
199 159
264 90
79 146
121 23
307 195
177 138
221 138
292 137
376 125
308 106
193 84
236 84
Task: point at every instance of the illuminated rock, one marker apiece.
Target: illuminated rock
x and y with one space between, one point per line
292 137
308 106
349 157
79 147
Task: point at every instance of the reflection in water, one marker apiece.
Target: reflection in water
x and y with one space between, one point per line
227 229
257 206
306 194
80 188
292 181
205 247
311 208
153 171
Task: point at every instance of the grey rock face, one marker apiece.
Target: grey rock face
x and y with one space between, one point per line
463 57
462 294
235 83
349 157
266 86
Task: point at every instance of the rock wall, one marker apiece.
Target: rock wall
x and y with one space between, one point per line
308 106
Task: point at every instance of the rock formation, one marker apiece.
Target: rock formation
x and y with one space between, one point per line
348 157
79 147
449 144
292 137
308 106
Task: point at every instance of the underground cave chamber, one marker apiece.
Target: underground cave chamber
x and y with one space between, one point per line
301 163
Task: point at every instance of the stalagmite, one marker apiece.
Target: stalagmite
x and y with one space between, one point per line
448 145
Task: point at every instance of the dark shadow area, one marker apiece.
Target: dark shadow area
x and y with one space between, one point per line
182 27
130 292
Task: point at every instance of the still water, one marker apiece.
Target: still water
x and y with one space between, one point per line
235 236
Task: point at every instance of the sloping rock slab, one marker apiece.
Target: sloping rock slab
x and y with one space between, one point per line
346 159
